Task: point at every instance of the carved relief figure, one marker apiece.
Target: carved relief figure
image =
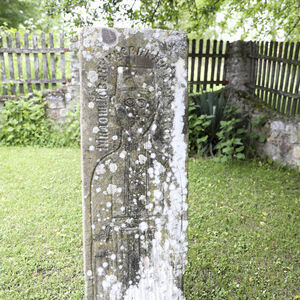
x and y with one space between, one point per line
125 197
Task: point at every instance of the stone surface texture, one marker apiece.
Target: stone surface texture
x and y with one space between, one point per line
282 133
134 154
238 66
60 102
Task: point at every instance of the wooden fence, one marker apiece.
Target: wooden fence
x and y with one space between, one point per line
31 62
206 61
275 75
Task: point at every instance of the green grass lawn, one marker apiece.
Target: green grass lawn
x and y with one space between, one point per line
243 234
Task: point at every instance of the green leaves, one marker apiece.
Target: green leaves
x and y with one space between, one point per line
24 122
202 18
219 129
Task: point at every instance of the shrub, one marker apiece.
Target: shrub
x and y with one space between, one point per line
24 122
69 132
207 110
219 129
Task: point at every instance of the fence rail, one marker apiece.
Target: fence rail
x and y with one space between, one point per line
206 61
36 62
31 62
276 71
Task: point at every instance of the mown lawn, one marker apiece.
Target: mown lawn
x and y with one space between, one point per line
243 234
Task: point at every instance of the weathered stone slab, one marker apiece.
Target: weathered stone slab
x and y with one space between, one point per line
134 151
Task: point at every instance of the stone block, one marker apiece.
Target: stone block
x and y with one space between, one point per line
296 152
277 126
134 153
63 112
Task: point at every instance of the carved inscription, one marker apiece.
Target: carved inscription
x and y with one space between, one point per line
102 141
126 209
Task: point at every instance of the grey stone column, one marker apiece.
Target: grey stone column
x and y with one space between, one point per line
240 67
134 154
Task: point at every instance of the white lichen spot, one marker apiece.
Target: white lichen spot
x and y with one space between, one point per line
105 264
96 129
100 170
153 127
87 55
142 198
89 273
151 172
92 148
100 271
98 190
153 155
142 159
122 208
123 154
113 167
91 105
157 195
108 282
92 76
111 189
108 204
147 145
115 137
149 206
143 226
113 257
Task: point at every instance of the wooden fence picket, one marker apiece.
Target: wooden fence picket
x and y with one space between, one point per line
276 103
27 58
19 61
206 64
3 75
62 56
36 73
11 65
199 66
274 67
218 78
36 61
45 62
213 63
52 58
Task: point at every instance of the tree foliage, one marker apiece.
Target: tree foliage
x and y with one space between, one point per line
268 18
16 12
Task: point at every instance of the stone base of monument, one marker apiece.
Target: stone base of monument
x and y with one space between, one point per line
134 153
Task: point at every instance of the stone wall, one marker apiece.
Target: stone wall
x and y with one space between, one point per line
282 143
282 133
59 103
64 100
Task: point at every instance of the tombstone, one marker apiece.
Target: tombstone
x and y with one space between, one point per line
134 153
